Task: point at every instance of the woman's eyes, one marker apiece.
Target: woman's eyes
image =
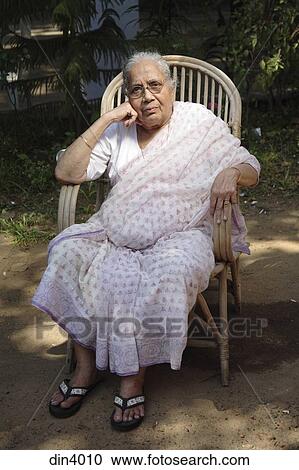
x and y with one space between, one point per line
136 89
154 84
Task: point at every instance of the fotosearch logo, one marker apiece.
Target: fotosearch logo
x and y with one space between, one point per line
153 327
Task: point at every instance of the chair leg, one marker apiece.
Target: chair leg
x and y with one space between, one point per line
208 317
235 270
223 343
70 356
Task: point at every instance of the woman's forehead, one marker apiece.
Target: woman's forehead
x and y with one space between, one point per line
145 70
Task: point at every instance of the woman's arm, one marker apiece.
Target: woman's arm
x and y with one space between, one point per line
248 176
224 187
72 166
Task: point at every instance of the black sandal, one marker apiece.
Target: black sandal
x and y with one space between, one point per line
68 391
124 404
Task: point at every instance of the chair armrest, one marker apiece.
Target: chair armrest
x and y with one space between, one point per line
69 195
67 201
222 238
67 205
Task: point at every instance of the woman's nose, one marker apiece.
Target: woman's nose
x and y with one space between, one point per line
147 95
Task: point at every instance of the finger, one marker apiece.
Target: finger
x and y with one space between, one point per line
226 206
234 198
130 118
213 202
218 210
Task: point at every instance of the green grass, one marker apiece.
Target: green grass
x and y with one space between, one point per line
27 229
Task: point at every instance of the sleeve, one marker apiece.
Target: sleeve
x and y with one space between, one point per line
101 154
253 161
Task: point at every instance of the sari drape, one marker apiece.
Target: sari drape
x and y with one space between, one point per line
124 282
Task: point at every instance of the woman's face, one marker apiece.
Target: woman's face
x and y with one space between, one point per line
154 110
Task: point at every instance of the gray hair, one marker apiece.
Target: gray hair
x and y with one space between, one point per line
145 55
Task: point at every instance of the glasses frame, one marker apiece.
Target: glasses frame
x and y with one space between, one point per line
143 91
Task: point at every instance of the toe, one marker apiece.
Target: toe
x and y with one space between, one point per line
56 398
131 414
136 412
118 416
69 402
139 411
126 415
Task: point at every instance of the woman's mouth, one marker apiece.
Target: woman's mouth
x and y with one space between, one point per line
151 110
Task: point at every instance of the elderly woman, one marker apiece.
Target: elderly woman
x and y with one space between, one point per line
122 284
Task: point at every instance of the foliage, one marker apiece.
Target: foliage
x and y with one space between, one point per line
264 32
163 25
259 41
27 163
166 17
73 55
277 150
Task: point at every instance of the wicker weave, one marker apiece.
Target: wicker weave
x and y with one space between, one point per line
199 82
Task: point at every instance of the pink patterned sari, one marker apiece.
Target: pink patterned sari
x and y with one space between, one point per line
124 282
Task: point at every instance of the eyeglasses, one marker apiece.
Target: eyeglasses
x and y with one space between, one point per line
137 91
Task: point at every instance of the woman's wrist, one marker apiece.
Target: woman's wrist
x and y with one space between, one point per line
237 172
110 117
94 132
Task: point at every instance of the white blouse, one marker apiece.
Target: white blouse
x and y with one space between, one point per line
114 149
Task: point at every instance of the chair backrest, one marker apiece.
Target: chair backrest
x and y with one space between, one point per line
199 82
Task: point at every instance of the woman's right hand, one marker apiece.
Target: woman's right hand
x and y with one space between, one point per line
124 112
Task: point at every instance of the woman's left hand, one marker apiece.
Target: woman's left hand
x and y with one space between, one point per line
224 190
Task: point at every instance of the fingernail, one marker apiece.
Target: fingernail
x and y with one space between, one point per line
218 221
225 218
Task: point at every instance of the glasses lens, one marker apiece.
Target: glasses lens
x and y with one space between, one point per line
138 90
155 87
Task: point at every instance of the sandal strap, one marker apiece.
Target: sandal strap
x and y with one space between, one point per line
125 403
69 391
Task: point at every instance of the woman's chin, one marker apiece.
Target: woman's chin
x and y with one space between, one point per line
151 122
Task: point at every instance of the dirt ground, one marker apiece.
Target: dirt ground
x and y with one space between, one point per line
186 409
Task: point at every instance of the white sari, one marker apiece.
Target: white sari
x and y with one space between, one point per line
124 282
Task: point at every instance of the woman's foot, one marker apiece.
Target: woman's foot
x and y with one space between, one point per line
82 377
85 375
129 387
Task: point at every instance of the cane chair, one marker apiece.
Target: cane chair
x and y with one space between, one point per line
199 82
